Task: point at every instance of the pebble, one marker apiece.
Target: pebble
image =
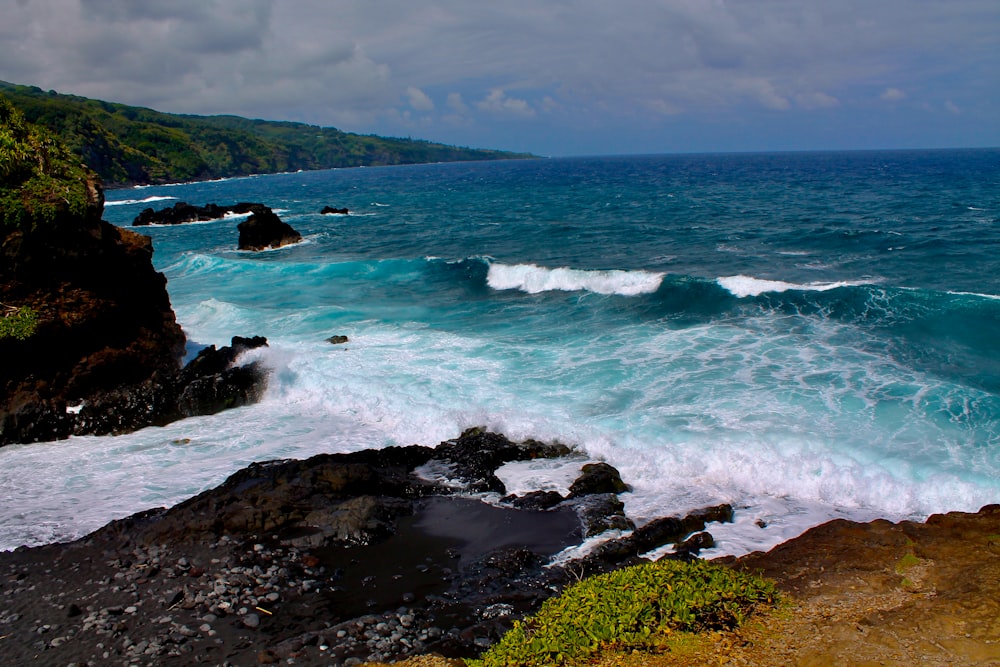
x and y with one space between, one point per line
251 620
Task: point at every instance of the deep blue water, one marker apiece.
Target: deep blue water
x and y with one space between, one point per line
804 335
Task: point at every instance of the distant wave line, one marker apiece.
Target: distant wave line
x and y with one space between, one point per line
125 202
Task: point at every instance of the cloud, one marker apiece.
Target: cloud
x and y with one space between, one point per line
419 99
497 102
456 104
892 95
567 69
816 100
952 107
763 92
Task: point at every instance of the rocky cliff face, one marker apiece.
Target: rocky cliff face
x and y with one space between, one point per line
106 337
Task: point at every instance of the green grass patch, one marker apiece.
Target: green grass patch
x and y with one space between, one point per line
639 607
906 562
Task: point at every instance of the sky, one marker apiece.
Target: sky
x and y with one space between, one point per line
550 77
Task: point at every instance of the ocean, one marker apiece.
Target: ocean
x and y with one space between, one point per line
804 335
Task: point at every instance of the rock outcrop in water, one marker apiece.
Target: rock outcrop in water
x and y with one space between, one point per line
264 229
182 212
103 351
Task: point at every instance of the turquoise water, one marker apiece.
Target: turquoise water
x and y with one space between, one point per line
804 335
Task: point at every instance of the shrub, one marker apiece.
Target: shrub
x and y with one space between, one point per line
19 324
637 607
39 178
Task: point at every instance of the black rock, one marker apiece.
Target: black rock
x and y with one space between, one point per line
182 212
597 478
600 512
535 500
264 229
476 454
329 210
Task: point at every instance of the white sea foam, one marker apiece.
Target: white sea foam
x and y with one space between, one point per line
533 279
125 202
743 286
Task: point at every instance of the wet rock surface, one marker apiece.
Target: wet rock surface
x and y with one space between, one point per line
182 212
338 559
213 381
264 229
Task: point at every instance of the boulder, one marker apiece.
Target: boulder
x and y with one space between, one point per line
597 478
264 229
329 210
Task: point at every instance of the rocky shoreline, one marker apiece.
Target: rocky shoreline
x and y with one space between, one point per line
386 555
338 559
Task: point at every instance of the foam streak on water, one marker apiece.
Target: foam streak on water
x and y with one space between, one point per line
740 329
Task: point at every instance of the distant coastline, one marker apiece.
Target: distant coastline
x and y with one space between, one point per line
128 146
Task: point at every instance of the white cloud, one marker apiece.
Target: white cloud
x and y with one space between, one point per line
816 100
457 104
497 102
952 107
419 99
892 95
763 92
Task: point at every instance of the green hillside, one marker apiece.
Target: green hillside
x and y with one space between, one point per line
135 145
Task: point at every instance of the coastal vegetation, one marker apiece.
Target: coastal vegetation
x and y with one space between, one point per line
135 145
18 323
39 178
635 608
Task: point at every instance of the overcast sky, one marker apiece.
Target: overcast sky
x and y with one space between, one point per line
553 77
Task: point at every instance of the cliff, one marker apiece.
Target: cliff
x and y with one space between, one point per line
99 348
134 145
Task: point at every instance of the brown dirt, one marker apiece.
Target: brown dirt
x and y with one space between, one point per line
860 595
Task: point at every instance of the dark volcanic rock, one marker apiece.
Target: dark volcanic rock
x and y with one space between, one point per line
597 478
264 229
182 212
535 500
105 321
337 340
105 354
475 456
654 534
212 384
600 512
337 559
329 210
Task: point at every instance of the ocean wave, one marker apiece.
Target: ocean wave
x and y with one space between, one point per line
744 286
147 200
534 279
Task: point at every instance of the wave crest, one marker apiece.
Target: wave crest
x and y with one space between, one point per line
147 200
534 279
744 286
